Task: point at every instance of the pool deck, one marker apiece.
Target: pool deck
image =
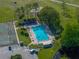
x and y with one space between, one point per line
32 36
34 39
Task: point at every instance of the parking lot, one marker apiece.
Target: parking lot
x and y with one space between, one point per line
6 54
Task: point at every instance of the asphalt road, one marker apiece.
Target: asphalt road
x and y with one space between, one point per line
57 55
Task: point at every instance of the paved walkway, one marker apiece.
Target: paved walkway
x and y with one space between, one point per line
74 5
16 32
6 54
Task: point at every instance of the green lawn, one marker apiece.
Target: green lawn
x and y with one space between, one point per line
26 40
50 52
7 14
64 57
7 9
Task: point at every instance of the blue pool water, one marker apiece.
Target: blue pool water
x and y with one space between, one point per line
40 33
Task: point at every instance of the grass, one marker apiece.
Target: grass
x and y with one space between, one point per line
33 46
64 57
26 40
7 9
50 52
7 13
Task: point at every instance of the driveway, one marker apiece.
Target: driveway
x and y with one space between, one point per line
6 54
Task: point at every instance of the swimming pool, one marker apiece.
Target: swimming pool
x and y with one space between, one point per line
40 33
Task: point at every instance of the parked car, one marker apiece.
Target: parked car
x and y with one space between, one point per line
34 51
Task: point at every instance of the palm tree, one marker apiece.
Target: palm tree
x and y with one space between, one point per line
18 13
35 6
28 8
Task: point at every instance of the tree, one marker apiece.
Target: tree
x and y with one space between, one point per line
35 7
70 41
28 8
50 16
17 56
20 13
70 37
17 13
22 9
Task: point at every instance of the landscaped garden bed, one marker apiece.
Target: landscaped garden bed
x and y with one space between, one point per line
24 36
17 56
